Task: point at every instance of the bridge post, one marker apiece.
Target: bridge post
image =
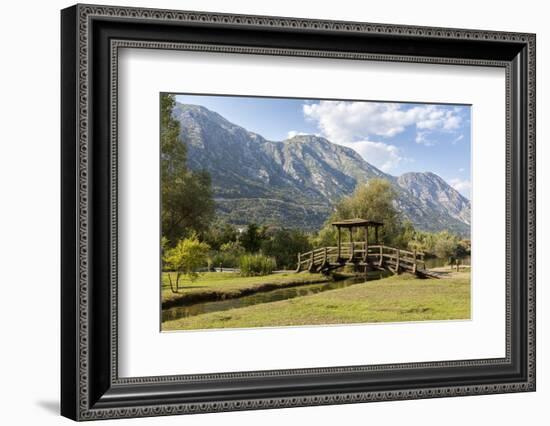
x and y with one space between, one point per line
366 245
339 244
299 263
381 260
414 266
351 243
397 263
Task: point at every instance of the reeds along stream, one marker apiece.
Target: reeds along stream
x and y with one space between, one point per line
189 310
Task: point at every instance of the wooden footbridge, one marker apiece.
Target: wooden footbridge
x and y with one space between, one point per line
362 255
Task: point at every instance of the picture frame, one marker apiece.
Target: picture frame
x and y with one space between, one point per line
90 384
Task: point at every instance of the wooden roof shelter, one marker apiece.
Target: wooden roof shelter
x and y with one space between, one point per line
351 224
357 222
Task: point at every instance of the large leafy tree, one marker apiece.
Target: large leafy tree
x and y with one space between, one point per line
186 196
252 238
219 234
284 245
372 201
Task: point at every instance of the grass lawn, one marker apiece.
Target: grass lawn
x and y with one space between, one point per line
397 298
224 285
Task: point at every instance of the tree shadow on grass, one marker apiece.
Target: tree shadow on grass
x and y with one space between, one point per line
187 288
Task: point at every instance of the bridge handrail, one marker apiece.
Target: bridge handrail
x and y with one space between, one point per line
384 247
371 249
329 254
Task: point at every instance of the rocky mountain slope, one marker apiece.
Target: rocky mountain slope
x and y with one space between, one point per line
296 182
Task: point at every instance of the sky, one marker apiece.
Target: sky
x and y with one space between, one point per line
395 137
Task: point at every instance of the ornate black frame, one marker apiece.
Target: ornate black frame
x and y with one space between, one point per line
91 37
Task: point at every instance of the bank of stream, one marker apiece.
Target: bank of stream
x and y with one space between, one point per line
191 309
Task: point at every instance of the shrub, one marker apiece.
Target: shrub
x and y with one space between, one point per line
256 264
232 247
228 255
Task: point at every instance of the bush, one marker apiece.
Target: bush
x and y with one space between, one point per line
228 256
225 260
256 264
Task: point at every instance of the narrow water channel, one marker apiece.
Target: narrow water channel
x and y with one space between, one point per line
436 262
190 310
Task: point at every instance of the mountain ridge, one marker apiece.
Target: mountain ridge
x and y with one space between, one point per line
297 181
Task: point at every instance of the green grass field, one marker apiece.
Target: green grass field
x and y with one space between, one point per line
394 299
219 286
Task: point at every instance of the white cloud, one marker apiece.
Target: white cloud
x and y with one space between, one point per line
293 133
461 185
458 139
350 121
423 138
356 124
462 170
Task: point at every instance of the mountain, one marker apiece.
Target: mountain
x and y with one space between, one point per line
296 182
435 196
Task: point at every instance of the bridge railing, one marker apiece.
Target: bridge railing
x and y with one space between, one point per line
317 256
399 257
360 250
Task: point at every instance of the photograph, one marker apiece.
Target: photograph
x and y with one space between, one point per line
312 212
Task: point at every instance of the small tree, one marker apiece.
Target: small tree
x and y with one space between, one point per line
163 244
184 259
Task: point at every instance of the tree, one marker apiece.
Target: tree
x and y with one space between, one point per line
184 259
407 236
252 238
445 245
372 201
463 248
284 245
326 237
219 234
186 197
233 247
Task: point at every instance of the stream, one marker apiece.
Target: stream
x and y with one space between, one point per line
184 311
435 262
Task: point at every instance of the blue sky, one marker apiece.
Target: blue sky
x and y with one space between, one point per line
395 137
